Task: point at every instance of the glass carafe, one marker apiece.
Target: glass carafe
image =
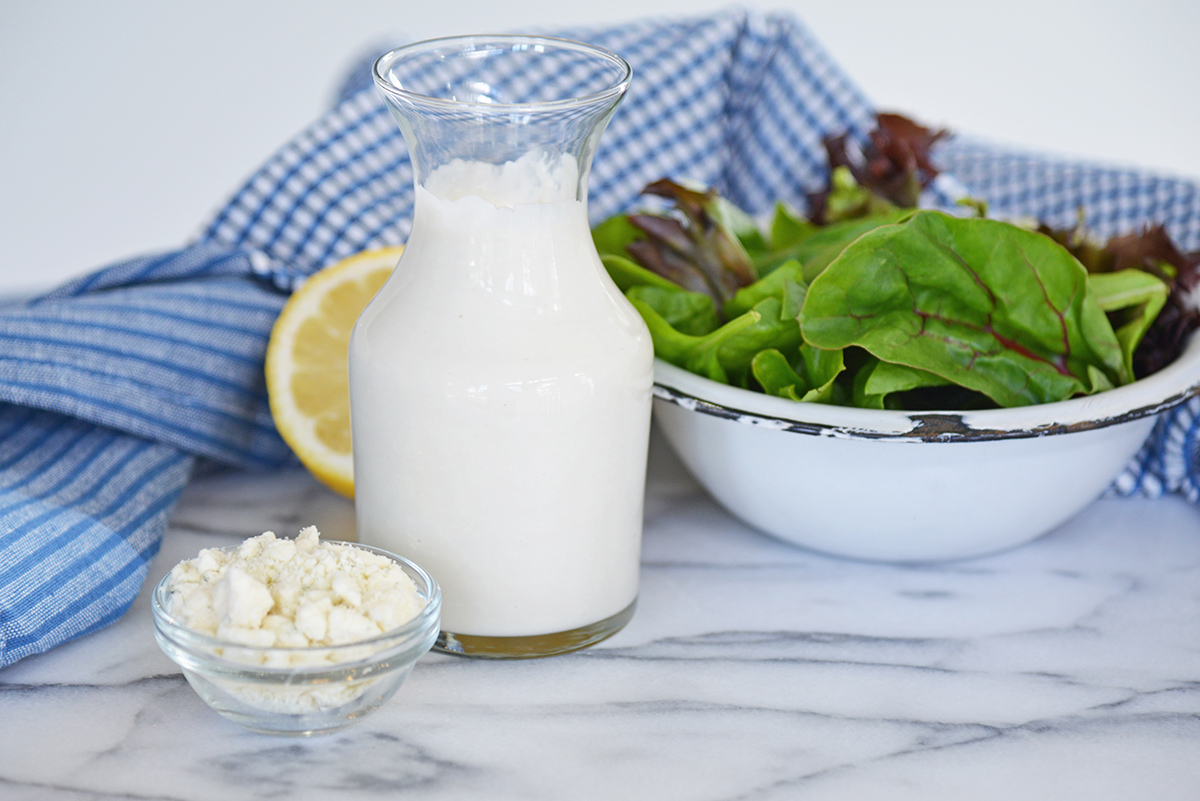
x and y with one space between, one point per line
500 383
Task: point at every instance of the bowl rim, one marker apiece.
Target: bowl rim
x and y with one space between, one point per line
386 644
1174 384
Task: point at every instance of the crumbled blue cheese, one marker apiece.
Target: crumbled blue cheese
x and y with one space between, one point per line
271 592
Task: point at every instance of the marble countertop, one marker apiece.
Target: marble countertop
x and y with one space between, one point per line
1068 668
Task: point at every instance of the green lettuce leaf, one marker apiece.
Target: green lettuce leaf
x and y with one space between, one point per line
876 381
1138 296
982 303
788 227
812 379
726 353
690 313
613 236
733 219
696 354
627 273
785 283
847 200
815 252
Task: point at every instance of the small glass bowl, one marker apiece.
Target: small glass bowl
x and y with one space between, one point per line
300 691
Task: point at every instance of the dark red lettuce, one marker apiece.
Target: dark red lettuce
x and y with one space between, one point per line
894 165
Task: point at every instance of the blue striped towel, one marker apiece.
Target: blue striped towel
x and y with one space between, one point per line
115 387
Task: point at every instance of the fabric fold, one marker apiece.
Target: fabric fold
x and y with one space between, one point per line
83 508
169 348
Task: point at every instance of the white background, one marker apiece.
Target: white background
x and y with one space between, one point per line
124 124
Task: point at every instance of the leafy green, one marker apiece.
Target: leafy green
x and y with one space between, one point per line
788 227
614 235
1139 296
811 379
627 273
877 380
987 305
686 333
690 313
893 166
696 249
724 354
848 200
867 301
785 283
793 238
739 223
817 251
1152 250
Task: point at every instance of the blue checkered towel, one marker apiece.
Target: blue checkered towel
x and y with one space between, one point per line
114 387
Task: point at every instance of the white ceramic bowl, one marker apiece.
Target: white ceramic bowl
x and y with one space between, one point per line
909 486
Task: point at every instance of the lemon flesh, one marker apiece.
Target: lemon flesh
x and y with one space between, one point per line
307 367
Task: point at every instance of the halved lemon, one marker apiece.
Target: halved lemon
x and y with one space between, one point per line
308 363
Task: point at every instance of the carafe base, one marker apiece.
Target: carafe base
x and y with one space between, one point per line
532 646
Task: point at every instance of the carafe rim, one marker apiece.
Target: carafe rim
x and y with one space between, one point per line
475 42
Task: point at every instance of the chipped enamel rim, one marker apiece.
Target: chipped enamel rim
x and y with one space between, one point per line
1169 387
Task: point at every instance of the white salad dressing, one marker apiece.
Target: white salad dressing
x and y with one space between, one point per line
500 403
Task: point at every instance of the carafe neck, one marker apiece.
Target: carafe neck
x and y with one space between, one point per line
500 99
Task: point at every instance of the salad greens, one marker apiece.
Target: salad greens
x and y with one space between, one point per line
979 303
867 301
